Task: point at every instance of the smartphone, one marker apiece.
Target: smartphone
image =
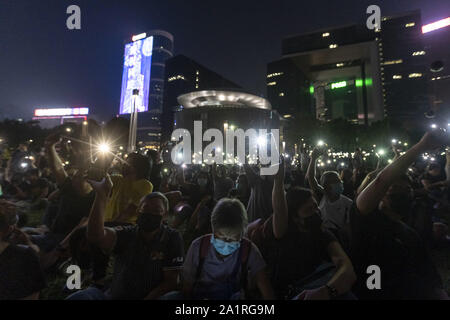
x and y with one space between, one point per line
96 172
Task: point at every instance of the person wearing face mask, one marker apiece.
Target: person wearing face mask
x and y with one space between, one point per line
295 247
220 265
381 237
148 255
334 206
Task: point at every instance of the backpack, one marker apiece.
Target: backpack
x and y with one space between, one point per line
244 251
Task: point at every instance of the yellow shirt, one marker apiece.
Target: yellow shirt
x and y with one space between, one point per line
124 193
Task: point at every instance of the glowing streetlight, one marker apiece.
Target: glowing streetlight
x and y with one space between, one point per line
104 148
320 143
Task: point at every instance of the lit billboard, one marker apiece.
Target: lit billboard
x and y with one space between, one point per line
136 75
60 112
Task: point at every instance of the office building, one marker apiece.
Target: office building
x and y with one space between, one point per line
354 73
185 75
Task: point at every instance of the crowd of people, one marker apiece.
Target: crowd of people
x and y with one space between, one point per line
140 227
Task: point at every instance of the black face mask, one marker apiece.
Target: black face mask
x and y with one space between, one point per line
313 222
148 222
401 204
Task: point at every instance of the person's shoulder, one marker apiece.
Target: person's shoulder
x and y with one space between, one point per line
170 232
195 244
143 183
252 246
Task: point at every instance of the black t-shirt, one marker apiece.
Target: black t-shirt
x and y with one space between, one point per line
72 208
407 271
295 256
138 267
20 273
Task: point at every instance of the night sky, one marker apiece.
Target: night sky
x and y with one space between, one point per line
43 64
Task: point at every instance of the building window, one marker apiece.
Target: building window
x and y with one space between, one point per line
392 62
414 75
177 77
325 34
418 53
276 74
272 83
409 25
397 76
332 46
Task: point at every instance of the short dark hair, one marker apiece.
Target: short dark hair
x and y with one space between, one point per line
140 163
156 195
296 197
230 215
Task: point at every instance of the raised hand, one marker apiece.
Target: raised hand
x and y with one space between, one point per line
52 140
434 139
317 152
102 188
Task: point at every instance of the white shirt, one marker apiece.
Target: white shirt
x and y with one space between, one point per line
335 214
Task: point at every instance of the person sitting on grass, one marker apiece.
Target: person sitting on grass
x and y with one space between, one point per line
21 276
148 255
220 265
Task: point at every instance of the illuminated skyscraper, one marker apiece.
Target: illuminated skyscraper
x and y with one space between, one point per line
144 69
354 73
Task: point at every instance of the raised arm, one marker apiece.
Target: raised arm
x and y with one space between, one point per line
54 160
369 177
370 197
279 204
97 234
311 173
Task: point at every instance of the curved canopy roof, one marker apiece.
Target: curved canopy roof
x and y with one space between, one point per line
222 98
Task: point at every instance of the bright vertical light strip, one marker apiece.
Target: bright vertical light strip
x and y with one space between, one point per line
136 75
436 25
